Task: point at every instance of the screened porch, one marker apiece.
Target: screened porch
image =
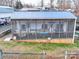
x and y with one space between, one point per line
43 29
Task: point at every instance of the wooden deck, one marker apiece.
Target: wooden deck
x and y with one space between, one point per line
67 41
4 29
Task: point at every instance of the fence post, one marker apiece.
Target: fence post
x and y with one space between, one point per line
66 54
43 55
1 57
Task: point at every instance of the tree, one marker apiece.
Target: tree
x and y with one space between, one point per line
51 1
42 3
18 5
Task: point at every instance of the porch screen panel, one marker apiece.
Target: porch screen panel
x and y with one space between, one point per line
70 29
27 29
15 30
27 23
18 31
42 30
58 29
32 33
24 27
54 30
62 29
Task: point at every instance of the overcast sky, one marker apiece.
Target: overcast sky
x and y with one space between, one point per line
37 2
34 1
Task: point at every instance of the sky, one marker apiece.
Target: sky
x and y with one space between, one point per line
30 1
34 1
37 2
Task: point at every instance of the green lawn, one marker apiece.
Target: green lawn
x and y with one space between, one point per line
38 47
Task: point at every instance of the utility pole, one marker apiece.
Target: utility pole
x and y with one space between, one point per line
51 3
18 4
64 4
19 1
42 3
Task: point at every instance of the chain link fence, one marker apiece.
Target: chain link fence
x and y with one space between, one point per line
21 55
42 55
71 55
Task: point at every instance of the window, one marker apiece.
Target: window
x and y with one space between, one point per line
27 25
39 26
65 26
57 27
23 27
52 26
61 27
33 27
77 28
44 26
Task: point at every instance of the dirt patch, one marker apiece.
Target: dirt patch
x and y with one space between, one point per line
20 48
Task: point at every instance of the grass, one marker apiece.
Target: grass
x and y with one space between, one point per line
38 47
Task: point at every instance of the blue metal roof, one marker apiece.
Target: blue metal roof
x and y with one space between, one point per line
43 15
4 15
6 9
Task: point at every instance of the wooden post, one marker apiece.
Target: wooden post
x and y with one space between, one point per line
74 30
36 29
51 1
67 28
51 31
42 4
43 56
1 57
12 32
59 29
20 28
66 54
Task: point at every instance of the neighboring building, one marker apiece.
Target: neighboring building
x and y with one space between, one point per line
5 14
77 24
77 27
38 26
5 19
6 9
7 2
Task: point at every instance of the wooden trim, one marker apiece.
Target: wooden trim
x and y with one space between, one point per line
66 41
